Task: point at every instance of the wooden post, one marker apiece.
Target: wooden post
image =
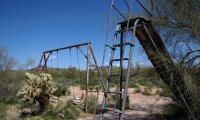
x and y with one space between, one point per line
87 78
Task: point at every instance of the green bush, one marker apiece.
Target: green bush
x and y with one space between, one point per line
70 111
3 109
171 112
174 111
61 112
91 103
9 88
168 93
35 118
137 90
91 88
62 89
83 87
132 84
127 105
51 113
96 87
60 80
8 93
146 91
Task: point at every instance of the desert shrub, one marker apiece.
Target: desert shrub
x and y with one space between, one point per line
137 90
149 81
3 109
38 88
142 81
91 103
60 80
34 118
10 87
171 112
96 87
70 111
48 117
61 112
71 73
127 105
146 91
91 88
157 116
8 93
61 90
167 93
83 87
174 111
158 92
132 84
51 113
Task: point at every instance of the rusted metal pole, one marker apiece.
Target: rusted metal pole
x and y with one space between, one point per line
68 47
49 52
96 65
45 60
87 78
84 54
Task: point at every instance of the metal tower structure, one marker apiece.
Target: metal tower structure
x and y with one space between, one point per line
150 40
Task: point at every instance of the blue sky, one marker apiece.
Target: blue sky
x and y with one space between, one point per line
29 27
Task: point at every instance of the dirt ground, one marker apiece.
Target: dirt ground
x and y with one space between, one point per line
141 106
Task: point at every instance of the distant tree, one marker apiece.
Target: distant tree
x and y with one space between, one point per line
30 62
6 62
178 24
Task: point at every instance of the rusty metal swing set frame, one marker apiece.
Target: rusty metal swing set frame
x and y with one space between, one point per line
46 55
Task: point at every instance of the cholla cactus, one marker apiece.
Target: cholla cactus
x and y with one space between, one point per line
37 88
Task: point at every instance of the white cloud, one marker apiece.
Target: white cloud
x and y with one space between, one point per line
117 64
106 63
52 57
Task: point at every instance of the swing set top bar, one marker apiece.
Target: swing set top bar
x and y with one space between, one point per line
68 47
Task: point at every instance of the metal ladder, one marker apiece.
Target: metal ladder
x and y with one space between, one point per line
122 76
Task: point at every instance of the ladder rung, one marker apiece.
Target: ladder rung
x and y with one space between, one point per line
120 59
128 43
115 75
115 110
112 92
113 48
124 30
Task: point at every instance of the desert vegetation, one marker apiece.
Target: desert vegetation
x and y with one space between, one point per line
167 89
39 95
